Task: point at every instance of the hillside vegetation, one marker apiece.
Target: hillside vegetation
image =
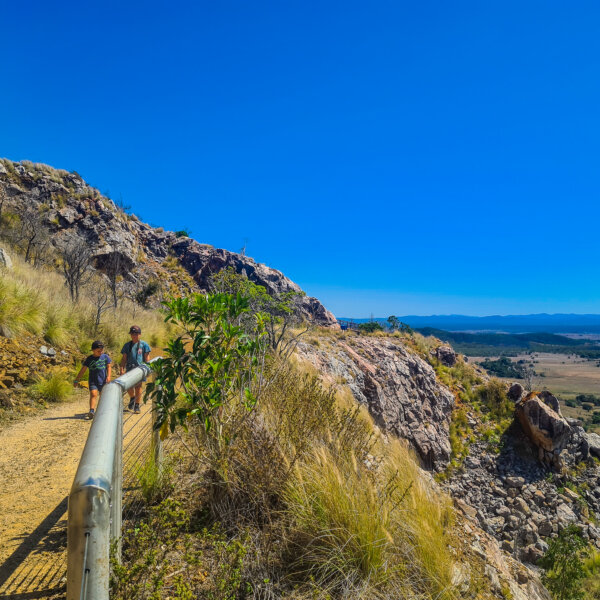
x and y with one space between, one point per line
36 310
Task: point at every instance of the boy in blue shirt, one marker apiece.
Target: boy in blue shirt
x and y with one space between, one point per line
133 354
100 367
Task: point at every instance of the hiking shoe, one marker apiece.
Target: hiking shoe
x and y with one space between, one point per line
131 404
136 410
90 415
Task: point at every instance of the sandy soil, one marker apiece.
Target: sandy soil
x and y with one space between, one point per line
38 460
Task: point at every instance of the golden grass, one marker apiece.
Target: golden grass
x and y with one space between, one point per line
363 520
369 532
37 301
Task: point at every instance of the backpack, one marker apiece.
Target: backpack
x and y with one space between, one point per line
131 363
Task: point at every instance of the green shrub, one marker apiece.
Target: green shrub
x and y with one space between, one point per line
370 327
55 388
211 373
495 401
564 564
165 554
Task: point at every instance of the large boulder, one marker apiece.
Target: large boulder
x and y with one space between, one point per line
540 418
446 355
515 392
593 439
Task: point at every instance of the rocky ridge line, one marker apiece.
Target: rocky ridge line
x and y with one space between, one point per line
70 207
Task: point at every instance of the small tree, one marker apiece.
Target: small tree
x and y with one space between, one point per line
393 323
101 297
76 265
564 564
404 328
212 374
283 322
529 377
30 234
147 292
3 197
113 267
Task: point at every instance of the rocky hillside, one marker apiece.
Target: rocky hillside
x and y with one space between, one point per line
398 387
68 207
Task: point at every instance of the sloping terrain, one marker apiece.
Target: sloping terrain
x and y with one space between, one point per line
137 253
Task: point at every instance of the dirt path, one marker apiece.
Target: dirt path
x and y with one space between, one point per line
38 460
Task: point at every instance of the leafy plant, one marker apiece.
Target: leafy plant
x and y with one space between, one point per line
211 375
564 564
280 312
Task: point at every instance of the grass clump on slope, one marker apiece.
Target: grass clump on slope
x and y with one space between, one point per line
363 534
56 387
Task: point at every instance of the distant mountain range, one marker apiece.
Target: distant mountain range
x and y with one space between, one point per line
550 323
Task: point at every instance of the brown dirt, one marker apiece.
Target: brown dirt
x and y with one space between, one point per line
38 460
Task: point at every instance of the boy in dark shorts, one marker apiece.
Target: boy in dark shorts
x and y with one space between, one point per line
100 367
133 354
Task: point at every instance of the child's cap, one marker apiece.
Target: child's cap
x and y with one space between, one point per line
135 329
97 344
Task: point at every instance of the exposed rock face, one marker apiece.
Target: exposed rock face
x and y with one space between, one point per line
73 208
539 415
593 440
445 355
399 388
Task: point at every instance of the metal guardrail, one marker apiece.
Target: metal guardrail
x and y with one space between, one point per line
95 500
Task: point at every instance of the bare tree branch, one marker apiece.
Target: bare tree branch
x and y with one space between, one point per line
76 265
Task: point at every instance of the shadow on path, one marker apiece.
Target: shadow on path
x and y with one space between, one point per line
45 538
79 417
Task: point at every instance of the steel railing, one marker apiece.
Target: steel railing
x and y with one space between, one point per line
95 501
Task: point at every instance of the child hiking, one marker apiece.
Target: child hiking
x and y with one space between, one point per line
134 354
100 367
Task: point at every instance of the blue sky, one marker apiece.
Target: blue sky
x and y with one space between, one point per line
390 157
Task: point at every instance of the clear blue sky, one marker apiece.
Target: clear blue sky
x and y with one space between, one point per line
390 157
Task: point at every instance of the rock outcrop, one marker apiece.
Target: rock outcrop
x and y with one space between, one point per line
540 418
446 355
70 208
399 388
515 392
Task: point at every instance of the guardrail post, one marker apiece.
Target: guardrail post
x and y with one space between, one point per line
157 450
